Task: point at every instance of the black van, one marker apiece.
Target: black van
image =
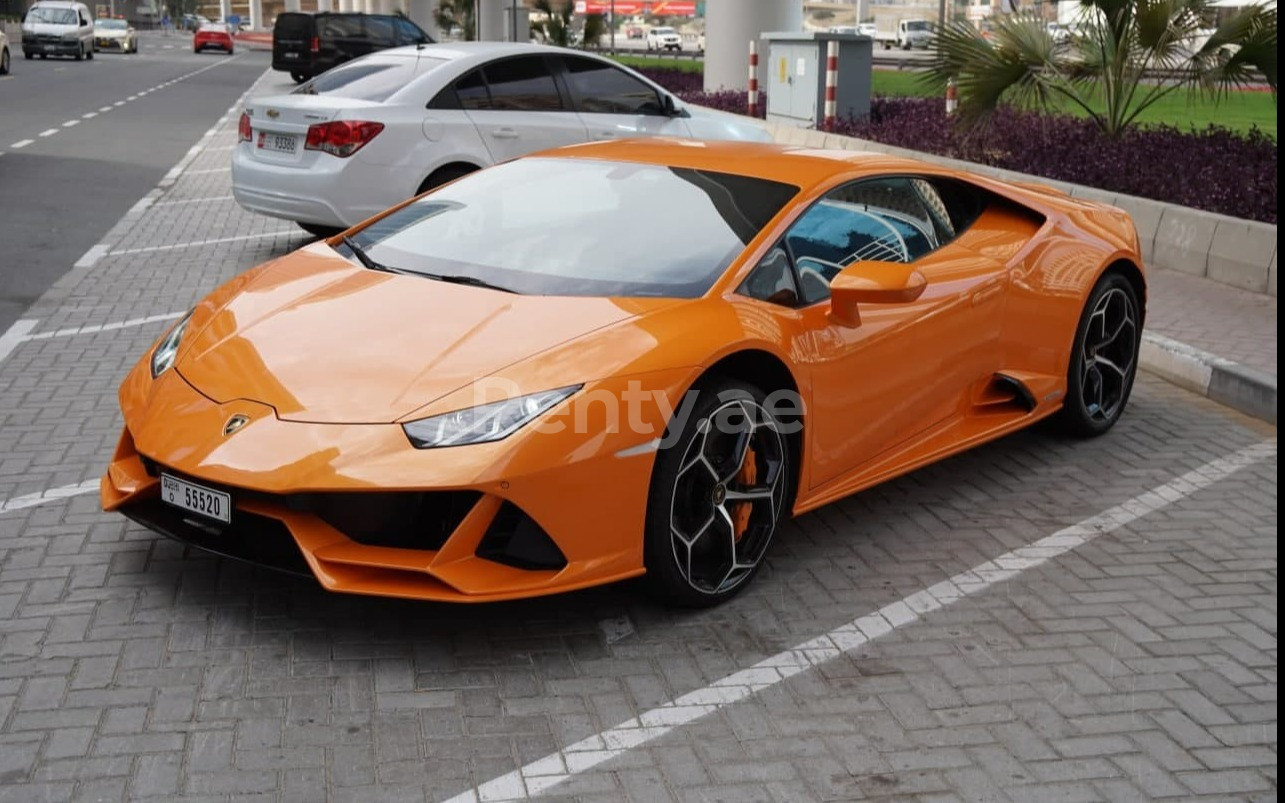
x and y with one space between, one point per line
305 45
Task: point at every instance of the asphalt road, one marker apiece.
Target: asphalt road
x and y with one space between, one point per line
69 170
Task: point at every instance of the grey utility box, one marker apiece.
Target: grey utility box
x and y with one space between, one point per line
795 82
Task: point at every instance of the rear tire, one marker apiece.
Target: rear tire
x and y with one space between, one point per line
718 494
4 62
1104 358
298 77
444 175
318 230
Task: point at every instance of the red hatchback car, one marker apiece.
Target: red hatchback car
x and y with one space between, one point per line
212 35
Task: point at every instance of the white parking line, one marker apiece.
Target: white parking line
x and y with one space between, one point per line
91 257
209 170
197 243
210 199
22 143
49 132
51 495
14 335
95 328
545 773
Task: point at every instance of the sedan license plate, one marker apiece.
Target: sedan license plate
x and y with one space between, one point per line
189 496
279 143
51 47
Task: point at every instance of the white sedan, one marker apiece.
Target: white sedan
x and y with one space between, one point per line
382 128
115 34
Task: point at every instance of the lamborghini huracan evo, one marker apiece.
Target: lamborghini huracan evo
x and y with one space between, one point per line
621 359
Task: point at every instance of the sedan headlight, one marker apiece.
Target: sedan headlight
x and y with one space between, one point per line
166 350
484 423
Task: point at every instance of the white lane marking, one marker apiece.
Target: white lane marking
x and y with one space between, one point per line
15 334
119 103
209 170
51 495
90 329
49 132
102 109
210 199
198 243
70 123
545 773
89 115
91 257
132 97
22 143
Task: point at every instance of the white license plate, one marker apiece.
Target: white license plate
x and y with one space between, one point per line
196 498
51 47
278 143
291 55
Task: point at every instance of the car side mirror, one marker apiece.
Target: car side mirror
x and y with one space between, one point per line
668 106
872 282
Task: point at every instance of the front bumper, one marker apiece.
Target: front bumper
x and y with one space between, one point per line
109 43
503 521
58 48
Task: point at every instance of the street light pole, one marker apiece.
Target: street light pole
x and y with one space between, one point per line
613 27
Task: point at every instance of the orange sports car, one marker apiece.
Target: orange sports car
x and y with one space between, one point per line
621 359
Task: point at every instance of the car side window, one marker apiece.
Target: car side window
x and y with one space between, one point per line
470 91
379 30
83 21
772 280
603 89
409 34
524 83
883 219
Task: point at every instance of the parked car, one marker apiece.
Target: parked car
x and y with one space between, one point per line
664 39
868 29
305 45
58 28
193 22
377 130
213 35
4 53
623 359
115 34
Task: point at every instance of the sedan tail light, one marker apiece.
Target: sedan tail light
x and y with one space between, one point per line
341 138
244 131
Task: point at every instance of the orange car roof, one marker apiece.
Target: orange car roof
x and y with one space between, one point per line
790 164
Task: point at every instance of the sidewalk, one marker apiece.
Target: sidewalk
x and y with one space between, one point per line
1217 340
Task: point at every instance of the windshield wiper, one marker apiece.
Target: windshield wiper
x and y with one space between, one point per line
471 281
365 259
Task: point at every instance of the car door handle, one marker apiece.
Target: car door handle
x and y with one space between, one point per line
604 135
505 133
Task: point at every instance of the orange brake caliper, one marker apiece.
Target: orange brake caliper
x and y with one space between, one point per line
747 476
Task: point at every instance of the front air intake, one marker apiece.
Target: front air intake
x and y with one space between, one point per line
514 539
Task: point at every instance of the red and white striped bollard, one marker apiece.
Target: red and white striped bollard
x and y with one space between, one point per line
831 83
952 96
754 79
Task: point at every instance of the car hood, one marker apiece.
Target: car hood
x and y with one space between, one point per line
707 123
57 28
324 341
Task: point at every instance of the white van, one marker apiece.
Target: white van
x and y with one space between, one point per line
58 28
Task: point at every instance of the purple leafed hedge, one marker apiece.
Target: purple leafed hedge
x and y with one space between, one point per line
1215 169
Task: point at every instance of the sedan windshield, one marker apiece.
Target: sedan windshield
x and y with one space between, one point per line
110 25
580 227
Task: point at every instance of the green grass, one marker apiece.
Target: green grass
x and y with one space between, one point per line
1238 111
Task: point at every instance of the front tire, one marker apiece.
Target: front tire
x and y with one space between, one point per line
719 490
90 55
1104 358
4 62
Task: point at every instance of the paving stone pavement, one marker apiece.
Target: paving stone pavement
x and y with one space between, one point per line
1235 324
1141 665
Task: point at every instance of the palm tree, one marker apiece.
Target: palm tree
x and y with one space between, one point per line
556 28
1127 55
457 13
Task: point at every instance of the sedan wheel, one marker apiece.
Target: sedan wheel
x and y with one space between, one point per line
1105 360
4 62
718 493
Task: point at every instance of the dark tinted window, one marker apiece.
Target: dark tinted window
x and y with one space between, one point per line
521 84
379 30
367 80
601 88
294 26
408 33
340 26
471 92
581 227
772 280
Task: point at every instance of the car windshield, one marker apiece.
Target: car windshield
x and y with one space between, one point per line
369 79
663 30
214 28
54 16
110 25
916 25
580 227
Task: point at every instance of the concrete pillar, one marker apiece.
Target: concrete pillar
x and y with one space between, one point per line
491 20
292 5
225 9
729 26
256 15
323 5
421 13
369 6
383 6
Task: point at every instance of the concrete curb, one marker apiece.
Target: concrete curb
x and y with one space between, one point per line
1248 390
1240 253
